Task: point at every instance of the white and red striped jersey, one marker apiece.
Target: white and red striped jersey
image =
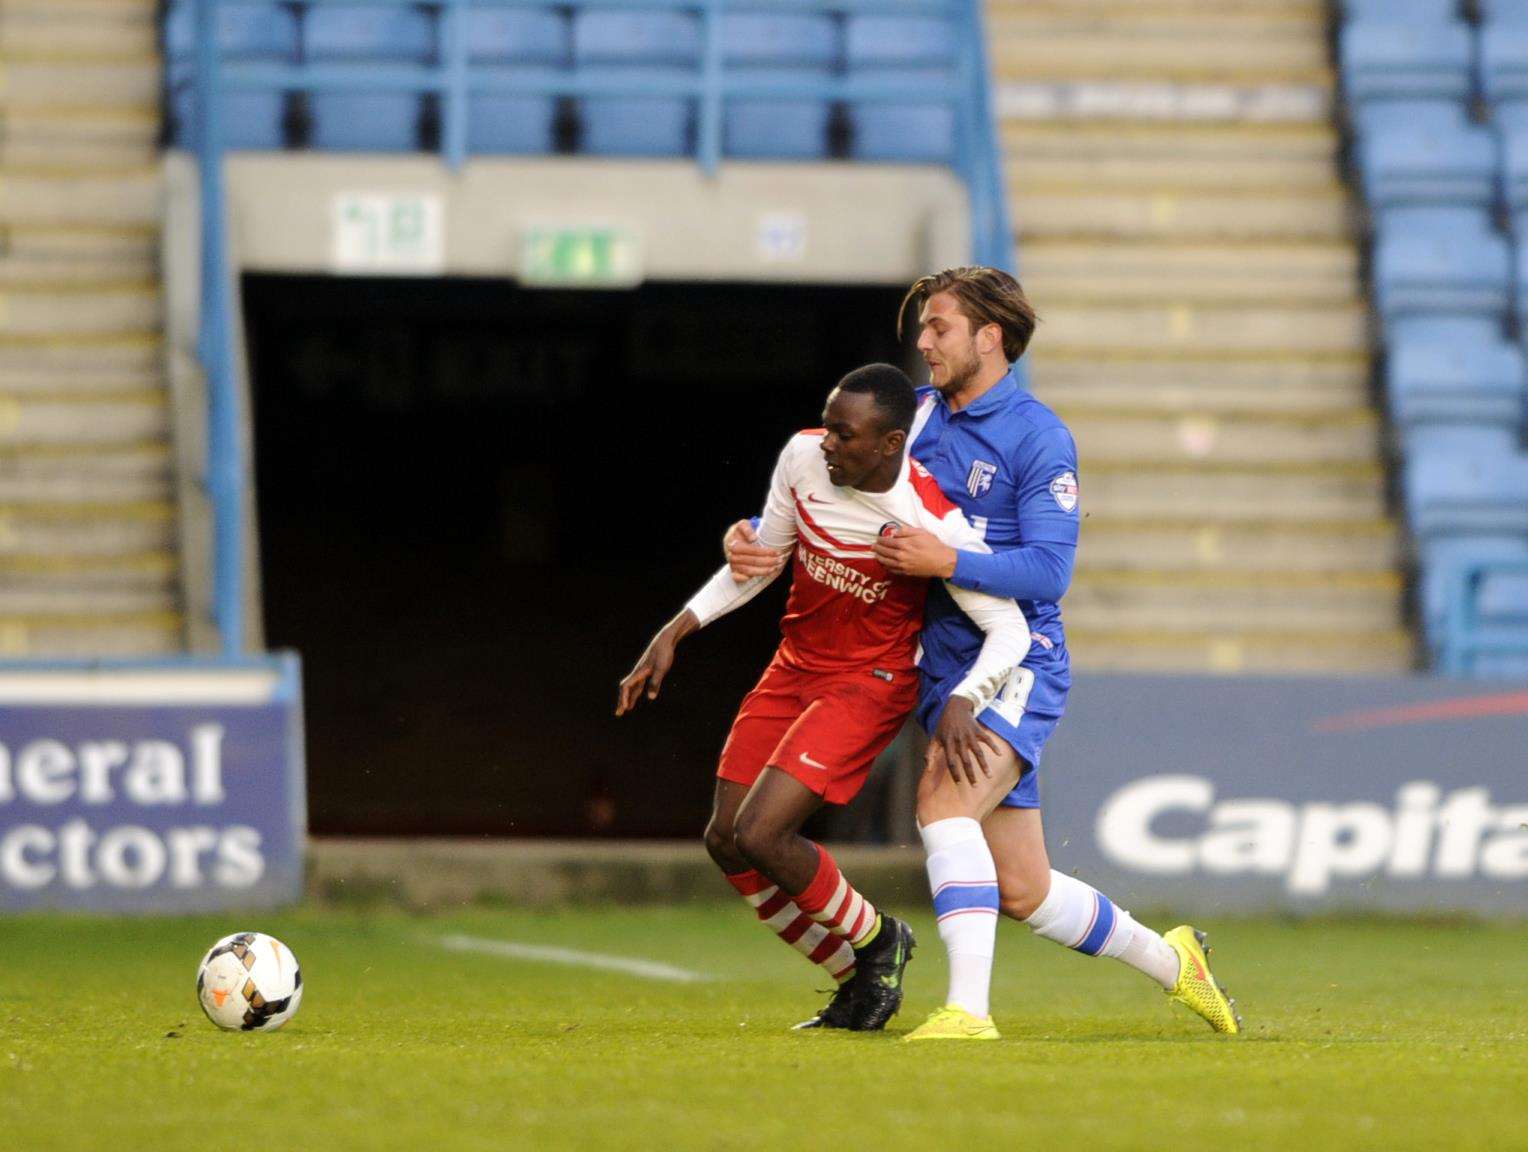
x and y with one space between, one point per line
845 611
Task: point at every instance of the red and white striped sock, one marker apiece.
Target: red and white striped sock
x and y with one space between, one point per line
832 901
828 950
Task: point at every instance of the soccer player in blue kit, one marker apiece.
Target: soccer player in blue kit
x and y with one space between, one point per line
1010 465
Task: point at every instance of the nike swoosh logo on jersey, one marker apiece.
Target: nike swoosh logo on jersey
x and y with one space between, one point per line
811 498
810 763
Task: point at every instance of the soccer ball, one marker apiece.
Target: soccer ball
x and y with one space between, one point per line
249 981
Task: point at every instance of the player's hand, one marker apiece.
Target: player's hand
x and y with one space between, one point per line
965 742
915 552
747 557
651 667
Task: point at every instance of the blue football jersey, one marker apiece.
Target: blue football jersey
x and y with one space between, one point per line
1010 464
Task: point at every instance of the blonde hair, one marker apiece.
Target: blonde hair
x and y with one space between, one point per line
985 296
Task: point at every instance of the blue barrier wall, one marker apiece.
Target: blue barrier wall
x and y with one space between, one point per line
178 788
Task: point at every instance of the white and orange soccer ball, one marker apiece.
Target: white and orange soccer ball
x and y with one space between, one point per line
249 982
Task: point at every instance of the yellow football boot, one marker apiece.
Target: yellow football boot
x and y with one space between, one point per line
952 1023
1196 986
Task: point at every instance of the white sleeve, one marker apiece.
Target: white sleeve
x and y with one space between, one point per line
777 529
1003 649
722 594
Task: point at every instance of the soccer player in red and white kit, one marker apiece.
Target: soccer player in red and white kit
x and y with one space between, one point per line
841 683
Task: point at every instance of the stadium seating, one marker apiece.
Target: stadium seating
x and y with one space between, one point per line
1453 370
362 121
1446 162
1440 562
654 46
909 51
1397 59
518 41
1440 260
1504 59
778 46
255 32
1411 11
1462 480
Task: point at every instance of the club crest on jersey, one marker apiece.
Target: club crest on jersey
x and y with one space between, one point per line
890 528
979 479
1064 489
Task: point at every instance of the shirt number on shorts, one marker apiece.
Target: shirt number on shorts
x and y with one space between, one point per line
1013 696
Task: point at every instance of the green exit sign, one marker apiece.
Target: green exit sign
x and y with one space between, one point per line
581 257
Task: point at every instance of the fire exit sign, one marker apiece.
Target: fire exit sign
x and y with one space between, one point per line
580 257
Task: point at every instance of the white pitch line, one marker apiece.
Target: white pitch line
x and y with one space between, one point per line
648 969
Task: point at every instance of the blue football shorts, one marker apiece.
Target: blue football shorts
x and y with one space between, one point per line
1025 713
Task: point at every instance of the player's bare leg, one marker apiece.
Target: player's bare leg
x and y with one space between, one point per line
963 878
778 912
1064 909
768 835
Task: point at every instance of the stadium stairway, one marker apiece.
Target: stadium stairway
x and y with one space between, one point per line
88 544
1185 234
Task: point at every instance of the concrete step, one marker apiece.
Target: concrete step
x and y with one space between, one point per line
1269 10
1025 170
1182 544
1078 211
87 529
1178 151
1051 43
73 136
92 634
64 27
138 243
80 308
56 273
1388 651
1244 441
151 570
95 196
1234 494
1244 331
1125 601
45 80
85 353
1266 273
1243 103
20 384
86 473
1220 387
85 418
56 598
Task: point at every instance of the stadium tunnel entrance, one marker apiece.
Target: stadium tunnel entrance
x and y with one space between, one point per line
476 503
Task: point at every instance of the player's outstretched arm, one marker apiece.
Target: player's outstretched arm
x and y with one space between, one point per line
647 675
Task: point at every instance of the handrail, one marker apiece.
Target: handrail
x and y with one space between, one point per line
1463 638
224 470
455 79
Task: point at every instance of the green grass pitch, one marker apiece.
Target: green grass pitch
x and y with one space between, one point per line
1359 1035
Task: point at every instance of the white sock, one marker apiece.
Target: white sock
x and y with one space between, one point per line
963 878
1080 917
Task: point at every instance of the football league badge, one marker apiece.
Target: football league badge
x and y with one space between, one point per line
979 479
1064 489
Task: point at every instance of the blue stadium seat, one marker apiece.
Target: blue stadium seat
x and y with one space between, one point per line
1465 480
252 32
1425 163
656 43
1441 559
1501 9
251 121
1389 115
913 52
778 47
518 36
248 31
1504 59
1454 370
511 124
1514 160
1386 59
367 121
1418 10
1440 260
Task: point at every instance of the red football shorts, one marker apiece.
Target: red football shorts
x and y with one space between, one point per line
823 728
